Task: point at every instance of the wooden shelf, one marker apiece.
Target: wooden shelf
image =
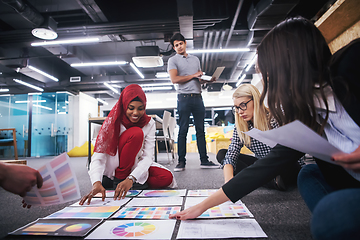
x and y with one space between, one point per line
338 18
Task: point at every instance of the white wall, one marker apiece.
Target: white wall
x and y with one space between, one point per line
81 107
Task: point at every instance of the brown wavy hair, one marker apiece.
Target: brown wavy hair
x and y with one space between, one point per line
293 60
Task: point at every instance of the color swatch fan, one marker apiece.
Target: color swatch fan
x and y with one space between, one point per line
60 184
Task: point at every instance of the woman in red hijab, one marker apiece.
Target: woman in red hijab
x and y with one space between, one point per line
124 150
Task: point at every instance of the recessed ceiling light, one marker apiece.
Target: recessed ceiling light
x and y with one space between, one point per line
44 33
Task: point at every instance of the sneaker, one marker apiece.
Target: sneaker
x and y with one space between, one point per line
180 167
208 164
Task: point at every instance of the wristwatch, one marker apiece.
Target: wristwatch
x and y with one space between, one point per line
132 178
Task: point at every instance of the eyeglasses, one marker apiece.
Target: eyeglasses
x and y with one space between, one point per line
242 106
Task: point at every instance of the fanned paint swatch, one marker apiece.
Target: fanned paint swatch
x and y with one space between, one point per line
58 227
60 184
146 212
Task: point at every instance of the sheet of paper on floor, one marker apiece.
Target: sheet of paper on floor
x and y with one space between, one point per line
97 202
60 184
220 228
155 201
85 212
146 212
163 193
111 193
58 227
226 209
134 229
201 192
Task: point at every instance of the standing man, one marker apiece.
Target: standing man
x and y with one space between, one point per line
184 70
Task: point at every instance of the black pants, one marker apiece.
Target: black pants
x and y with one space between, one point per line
282 182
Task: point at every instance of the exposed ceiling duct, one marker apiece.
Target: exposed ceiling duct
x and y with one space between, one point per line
26 11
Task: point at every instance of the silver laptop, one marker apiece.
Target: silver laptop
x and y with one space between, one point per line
216 74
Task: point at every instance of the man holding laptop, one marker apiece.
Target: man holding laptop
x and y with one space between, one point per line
184 70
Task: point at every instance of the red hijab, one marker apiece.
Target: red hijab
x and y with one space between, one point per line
108 137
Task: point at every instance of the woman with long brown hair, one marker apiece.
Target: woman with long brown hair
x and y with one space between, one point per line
293 59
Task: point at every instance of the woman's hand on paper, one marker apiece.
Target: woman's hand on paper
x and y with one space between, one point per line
189 213
348 160
97 188
122 188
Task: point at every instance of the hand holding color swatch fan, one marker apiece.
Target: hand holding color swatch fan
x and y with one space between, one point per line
60 184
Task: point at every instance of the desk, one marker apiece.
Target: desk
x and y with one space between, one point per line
100 120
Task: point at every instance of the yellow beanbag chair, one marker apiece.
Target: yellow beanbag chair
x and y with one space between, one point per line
81 151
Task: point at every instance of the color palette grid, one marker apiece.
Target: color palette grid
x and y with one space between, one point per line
58 227
59 184
147 212
163 193
85 212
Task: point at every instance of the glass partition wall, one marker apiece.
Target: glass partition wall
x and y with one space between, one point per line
42 123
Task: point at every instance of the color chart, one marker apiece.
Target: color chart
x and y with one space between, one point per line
60 184
163 193
156 201
58 227
134 229
98 202
224 210
201 192
110 193
84 212
146 212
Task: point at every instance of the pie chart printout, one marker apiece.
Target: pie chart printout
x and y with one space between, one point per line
134 229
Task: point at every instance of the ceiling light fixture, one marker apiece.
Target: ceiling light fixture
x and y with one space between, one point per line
28 85
93 64
251 63
43 73
240 80
156 84
36 105
44 33
63 42
156 88
102 101
111 88
221 50
162 75
4 90
136 70
35 93
26 101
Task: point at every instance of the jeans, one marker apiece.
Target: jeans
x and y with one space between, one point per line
336 213
186 105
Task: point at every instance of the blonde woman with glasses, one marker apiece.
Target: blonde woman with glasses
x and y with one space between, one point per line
250 112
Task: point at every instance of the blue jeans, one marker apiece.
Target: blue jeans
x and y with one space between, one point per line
335 213
186 105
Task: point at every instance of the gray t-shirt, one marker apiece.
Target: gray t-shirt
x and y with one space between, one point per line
186 66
